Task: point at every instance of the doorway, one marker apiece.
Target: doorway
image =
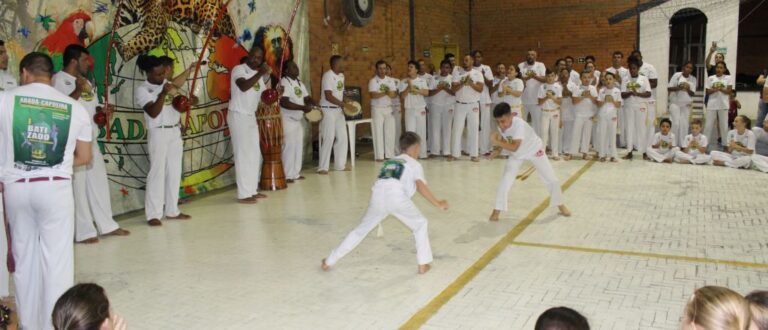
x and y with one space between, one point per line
687 42
438 51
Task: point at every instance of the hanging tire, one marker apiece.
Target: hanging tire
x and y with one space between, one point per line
358 12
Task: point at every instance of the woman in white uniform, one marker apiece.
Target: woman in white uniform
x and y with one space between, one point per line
682 87
414 89
718 87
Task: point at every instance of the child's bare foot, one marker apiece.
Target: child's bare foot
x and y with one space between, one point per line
683 161
494 215
567 157
564 211
475 159
628 156
718 163
614 160
322 172
668 160
324 266
602 159
423 269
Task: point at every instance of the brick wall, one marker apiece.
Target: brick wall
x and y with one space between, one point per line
385 37
505 30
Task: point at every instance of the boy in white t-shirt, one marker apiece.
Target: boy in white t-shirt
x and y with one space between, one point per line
566 110
584 97
550 97
399 179
694 146
664 145
413 89
516 137
609 100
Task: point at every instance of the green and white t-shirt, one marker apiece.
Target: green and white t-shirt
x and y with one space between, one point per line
39 128
403 171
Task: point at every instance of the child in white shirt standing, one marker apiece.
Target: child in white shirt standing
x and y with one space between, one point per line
511 90
566 110
414 89
718 88
399 179
664 145
584 97
741 145
609 101
516 137
550 97
694 146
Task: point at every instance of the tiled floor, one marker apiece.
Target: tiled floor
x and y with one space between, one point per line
257 266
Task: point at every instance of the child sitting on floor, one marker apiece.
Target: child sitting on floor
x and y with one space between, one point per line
663 147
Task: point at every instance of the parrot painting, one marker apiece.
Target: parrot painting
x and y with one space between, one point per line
77 28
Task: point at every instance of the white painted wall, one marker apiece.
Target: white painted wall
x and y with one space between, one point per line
722 27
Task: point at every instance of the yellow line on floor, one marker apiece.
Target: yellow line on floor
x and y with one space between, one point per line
426 312
643 254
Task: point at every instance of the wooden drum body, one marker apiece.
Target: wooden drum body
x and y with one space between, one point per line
271 142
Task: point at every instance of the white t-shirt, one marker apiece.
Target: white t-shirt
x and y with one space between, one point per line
467 94
413 100
639 84
7 81
485 72
396 99
718 100
516 85
609 108
747 140
381 85
427 78
681 97
400 172
66 84
295 91
146 93
554 89
584 108
246 102
532 86
39 129
761 136
531 144
665 142
701 141
332 82
649 72
623 73
442 98
574 77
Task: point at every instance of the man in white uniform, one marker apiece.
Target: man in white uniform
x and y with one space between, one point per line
164 142
90 185
427 76
636 90
293 104
441 114
533 74
467 85
248 81
573 75
647 70
485 102
517 138
621 73
7 82
333 128
381 90
397 112
38 186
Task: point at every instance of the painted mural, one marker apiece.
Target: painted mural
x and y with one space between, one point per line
174 28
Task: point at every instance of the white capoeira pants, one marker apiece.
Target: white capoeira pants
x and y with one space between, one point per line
651 128
760 162
535 112
606 133
733 161
441 117
695 158
550 130
42 231
543 169
678 115
637 126
468 114
566 135
92 203
387 199
165 155
622 127
582 134
397 114
4 275
486 127
383 127
721 115
658 155
293 146
333 133
244 133
416 121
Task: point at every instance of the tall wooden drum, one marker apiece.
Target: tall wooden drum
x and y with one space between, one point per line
271 141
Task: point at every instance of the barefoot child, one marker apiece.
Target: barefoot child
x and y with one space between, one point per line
663 147
609 101
694 146
550 98
398 180
518 138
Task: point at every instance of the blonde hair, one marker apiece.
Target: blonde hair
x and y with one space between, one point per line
718 308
